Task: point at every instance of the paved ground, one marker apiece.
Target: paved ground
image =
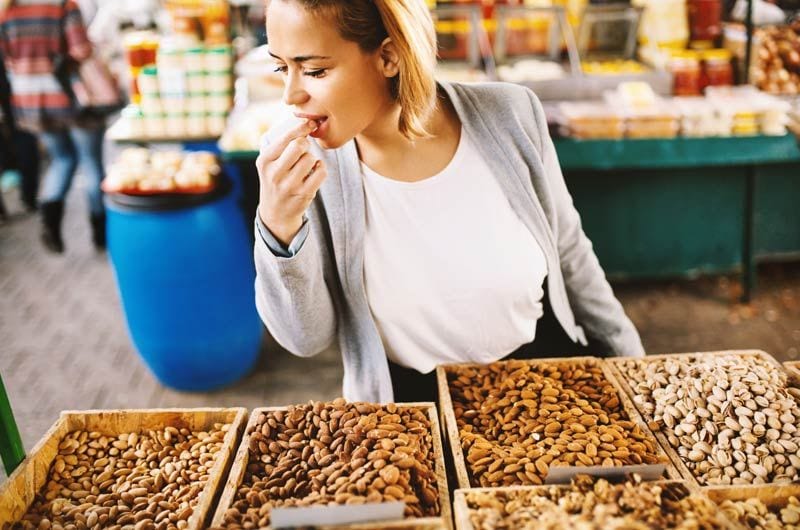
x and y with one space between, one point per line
64 345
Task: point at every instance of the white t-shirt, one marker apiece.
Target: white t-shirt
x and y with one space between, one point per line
451 272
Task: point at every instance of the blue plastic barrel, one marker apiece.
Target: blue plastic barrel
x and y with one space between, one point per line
184 270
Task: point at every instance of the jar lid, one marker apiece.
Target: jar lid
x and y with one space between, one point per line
717 54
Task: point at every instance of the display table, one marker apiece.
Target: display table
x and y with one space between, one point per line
677 207
687 206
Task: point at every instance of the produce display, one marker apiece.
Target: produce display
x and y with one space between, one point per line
754 514
776 65
530 70
613 67
139 170
730 418
143 480
590 504
246 126
517 419
337 453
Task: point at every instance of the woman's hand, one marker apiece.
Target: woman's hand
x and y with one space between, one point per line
289 179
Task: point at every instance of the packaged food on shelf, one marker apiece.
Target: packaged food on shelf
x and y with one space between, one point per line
147 80
752 110
218 82
196 82
217 102
686 71
196 103
717 68
591 120
246 126
216 122
530 70
705 22
196 123
700 118
155 125
218 59
664 23
613 67
194 59
139 170
132 114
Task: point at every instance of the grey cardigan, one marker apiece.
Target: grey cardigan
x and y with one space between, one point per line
314 294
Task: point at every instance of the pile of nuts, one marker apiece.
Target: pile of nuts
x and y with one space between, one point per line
754 514
588 505
776 65
337 453
730 417
143 481
516 419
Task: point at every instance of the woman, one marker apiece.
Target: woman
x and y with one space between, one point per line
418 223
35 36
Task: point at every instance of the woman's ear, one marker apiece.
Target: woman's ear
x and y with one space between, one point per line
389 58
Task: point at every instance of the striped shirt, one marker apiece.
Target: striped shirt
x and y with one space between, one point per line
33 35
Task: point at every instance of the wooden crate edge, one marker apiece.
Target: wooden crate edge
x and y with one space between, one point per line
451 426
242 455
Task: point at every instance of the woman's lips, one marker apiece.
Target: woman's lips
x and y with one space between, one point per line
322 127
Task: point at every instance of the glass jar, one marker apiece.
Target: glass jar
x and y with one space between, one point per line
705 22
685 68
717 68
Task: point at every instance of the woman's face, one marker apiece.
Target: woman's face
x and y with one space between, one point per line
326 78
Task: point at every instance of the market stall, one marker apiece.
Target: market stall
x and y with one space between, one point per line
708 440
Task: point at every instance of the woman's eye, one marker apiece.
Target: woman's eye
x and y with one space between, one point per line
316 73
280 69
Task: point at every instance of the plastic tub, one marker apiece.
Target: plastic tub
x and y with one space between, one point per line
185 274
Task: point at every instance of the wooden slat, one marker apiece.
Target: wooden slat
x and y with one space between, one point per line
442 522
461 508
451 426
19 491
684 471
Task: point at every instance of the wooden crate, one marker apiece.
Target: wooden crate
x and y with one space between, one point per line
685 473
442 522
774 496
19 491
461 509
451 426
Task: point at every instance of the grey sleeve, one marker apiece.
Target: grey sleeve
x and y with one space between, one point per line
590 295
292 297
275 246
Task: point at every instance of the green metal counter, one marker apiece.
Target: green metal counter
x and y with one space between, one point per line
678 207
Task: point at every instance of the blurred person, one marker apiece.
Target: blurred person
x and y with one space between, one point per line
415 223
35 37
20 148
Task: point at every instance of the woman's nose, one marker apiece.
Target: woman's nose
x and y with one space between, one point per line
293 92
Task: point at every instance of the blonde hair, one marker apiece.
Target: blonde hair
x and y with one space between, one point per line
409 25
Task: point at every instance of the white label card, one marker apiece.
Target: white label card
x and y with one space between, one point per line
333 515
565 474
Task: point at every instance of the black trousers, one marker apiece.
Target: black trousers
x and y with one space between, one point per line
550 341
